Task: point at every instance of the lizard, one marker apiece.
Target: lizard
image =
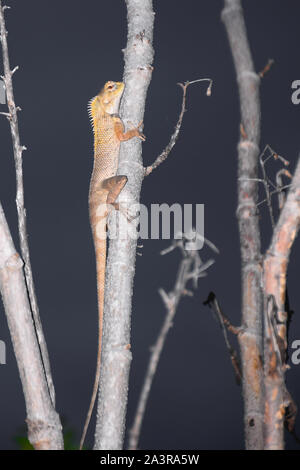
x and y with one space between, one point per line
105 187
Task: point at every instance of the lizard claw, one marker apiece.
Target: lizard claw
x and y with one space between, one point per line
139 134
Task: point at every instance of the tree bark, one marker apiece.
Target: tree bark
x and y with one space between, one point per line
248 151
116 355
44 428
275 272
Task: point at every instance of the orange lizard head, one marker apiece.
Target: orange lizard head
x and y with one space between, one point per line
107 100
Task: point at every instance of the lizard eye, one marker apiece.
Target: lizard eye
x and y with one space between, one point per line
111 87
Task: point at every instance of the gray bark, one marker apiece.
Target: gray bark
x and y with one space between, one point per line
44 428
116 355
275 271
248 153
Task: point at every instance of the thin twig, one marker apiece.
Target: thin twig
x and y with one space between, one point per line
18 151
266 68
278 191
281 186
267 182
267 187
225 325
278 186
189 269
165 153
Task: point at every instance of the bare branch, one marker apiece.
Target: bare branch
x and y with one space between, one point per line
44 428
165 153
225 325
213 303
275 270
267 188
189 268
280 192
116 354
248 152
268 183
266 68
18 150
281 186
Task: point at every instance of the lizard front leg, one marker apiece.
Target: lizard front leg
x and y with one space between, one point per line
123 136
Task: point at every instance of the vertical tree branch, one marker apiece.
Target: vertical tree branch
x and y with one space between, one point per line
248 152
18 151
116 355
44 428
275 271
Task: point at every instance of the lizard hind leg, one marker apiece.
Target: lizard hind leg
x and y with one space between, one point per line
114 186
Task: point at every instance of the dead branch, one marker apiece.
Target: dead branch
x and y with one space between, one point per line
274 278
225 325
165 153
267 188
44 428
18 152
279 182
278 187
266 180
266 68
248 152
191 267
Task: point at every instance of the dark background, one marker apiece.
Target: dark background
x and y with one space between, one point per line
66 51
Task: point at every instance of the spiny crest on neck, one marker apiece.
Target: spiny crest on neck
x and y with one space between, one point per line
107 101
92 111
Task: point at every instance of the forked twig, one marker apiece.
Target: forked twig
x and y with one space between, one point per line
164 154
278 187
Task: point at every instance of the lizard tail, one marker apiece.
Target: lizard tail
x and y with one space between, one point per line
100 249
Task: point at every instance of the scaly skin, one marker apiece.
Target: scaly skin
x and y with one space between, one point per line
105 188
